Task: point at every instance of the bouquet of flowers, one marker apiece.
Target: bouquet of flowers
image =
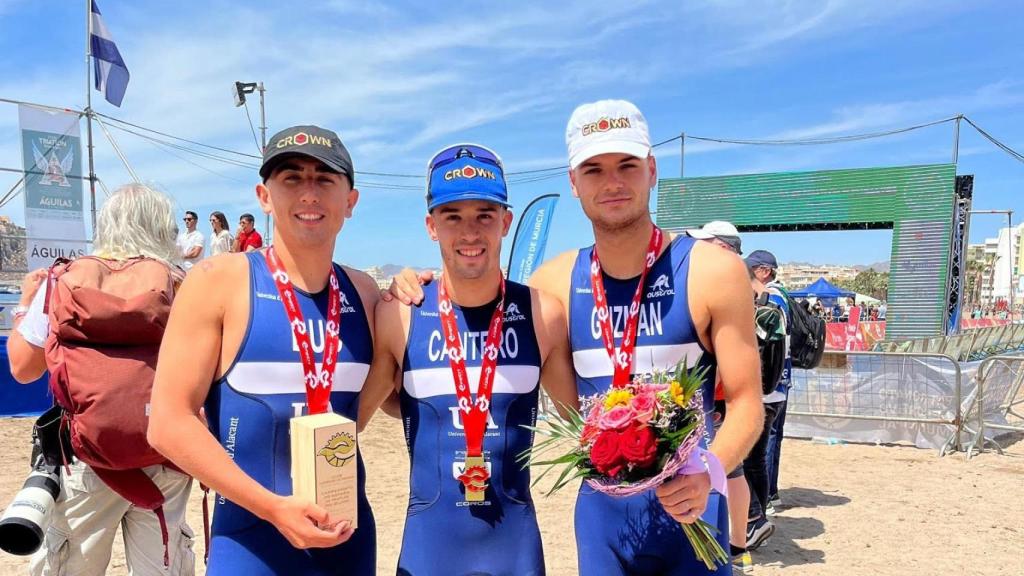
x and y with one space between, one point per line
631 439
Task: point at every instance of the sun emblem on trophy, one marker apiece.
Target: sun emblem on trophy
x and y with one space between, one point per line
339 450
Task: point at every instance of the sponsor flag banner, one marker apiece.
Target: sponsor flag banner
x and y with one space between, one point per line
52 162
531 238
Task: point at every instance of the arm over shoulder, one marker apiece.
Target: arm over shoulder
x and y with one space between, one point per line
555 275
392 321
557 376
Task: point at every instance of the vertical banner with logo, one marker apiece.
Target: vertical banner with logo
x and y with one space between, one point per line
530 238
52 160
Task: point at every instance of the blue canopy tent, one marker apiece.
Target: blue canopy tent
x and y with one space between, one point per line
823 290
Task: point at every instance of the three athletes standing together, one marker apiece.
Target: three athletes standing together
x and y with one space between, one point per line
462 367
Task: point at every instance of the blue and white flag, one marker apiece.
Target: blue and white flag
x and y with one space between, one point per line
110 73
530 238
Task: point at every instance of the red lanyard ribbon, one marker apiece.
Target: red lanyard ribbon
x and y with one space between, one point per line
474 414
622 361
318 384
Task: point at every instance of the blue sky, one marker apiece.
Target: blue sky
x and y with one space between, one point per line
400 80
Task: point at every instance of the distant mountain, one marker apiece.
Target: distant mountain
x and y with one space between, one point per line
391 269
877 266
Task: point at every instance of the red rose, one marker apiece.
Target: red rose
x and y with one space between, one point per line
639 446
606 454
588 434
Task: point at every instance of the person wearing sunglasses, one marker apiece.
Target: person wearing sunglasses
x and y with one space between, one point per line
472 358
190 242
232 347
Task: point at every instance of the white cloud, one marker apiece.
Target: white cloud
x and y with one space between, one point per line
397 82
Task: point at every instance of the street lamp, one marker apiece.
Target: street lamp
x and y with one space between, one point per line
240 90
1009 247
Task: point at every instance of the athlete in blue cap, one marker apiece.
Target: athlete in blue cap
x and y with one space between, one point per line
472 356
690 301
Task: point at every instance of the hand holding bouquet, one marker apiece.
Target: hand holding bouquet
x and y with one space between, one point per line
633 438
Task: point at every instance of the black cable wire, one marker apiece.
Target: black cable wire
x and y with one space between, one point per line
251 127
207 155
818 141
542 174
1013 153
663 142
538 178
166 135
539 170
164 147
387 175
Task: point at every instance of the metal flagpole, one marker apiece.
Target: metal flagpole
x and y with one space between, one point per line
263 143
88 110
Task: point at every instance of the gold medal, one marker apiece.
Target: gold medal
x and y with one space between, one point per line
474 478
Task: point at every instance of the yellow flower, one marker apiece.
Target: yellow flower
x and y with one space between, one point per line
675 390
616 397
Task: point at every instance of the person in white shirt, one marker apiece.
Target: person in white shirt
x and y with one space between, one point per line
221 240
190 242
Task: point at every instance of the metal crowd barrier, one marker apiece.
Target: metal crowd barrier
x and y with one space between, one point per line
993 404
973 344
929 399
849 390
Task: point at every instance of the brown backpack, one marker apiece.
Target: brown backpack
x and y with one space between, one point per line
107 319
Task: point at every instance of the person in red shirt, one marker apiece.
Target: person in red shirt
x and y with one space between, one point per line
248 238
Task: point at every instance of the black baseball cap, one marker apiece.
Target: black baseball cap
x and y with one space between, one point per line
312 141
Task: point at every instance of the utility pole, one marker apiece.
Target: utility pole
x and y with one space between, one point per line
241 89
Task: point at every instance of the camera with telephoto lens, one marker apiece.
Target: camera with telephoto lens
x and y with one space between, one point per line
26 519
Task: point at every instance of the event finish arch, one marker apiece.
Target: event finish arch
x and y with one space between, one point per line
916 202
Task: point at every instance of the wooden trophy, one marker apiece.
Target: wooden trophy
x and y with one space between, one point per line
324 463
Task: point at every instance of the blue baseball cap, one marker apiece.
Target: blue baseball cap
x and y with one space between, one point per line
761 258
465 172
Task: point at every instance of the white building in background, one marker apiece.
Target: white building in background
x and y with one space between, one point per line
795 276
1005 250
378 276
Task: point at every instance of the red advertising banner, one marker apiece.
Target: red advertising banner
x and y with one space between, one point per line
969 323
857 336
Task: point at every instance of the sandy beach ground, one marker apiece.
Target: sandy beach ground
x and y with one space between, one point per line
848 509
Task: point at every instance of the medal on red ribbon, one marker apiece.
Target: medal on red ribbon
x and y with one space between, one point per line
474 414
622 359
318 383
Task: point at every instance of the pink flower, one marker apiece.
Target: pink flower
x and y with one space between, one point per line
616 419
595 414
643 407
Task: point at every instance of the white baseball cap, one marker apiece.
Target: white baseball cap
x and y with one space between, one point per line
605 127
720 229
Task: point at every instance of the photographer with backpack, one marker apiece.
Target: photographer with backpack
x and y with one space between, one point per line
96 324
